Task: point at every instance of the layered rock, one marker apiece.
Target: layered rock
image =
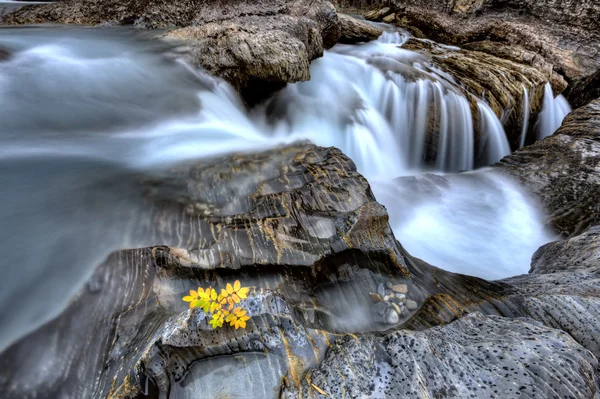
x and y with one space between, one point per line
563 171
300 227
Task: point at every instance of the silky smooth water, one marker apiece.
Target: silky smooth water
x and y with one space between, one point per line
86 111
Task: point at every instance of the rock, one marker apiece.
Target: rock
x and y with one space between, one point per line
391 316
400 288
411 305
563 171
381 290
356 31
580 253
375 297
388 19
380 312
378 15
480 356
397 308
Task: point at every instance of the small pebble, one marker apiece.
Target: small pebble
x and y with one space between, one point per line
381 290
401 288
386 298
389 284
411 305
375 297
397 308
392 317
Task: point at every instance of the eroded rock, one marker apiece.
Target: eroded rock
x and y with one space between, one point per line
479 356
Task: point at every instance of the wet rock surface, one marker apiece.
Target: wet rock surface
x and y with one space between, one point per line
563 171
266 219
356 31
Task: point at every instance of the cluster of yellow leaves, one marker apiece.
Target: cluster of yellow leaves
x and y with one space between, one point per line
222 306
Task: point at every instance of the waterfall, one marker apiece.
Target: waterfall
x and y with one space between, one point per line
494 138
69 169
417 116
553 113
526 114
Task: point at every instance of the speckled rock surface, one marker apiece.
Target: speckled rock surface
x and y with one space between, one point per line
477 356
563 171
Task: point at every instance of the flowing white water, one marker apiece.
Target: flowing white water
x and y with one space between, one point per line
553 113
525 117
477 223
84 111
494 136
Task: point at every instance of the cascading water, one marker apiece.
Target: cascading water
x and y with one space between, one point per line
553 112
494 136
525 118
86 111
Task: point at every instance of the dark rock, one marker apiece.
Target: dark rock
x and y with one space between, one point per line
563 171
356 31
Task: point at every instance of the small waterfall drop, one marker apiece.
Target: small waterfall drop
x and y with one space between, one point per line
526 115
553 112
495 140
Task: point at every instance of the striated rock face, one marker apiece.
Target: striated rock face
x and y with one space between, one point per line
476 356
328 282
558 32
563 171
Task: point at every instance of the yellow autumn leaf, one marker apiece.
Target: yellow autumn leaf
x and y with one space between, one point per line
237 285
193 294
243 292
213 295
229 288
188 298
235 298
200 291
